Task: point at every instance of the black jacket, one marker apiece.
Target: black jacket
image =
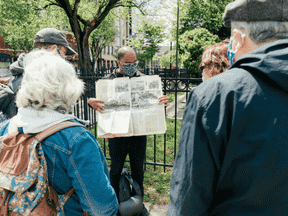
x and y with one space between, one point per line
9 108
232 157
116 74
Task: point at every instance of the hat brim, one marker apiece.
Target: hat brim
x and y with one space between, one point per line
70 51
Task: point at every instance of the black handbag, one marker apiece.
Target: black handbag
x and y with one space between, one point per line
129 206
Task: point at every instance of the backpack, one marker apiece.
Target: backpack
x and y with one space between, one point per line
129 205
24 187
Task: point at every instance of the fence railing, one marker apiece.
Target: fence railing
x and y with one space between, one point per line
173 82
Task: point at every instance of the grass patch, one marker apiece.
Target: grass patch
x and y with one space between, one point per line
156 183
4 64
171 95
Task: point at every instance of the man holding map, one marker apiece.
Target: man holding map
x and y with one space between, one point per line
119 147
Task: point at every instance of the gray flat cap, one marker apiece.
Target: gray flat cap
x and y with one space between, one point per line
53 36
256 10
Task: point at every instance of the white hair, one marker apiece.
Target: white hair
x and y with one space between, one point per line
49 82
262 31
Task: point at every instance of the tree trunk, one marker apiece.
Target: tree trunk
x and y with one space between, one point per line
83 47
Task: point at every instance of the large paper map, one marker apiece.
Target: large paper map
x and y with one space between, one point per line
131 107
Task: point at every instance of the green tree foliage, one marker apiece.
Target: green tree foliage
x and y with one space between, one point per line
170 59
20 22
81 16
191 44
149 36
203 14
104 34
86 16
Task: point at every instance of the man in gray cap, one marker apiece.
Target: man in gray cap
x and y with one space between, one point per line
232 157
48 38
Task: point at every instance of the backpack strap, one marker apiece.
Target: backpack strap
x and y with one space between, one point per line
50 131
67 196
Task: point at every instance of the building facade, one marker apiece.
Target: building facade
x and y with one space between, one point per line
108 55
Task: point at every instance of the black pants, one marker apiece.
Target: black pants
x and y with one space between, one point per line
119 147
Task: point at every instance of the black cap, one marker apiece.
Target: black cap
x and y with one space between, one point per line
53 36
256 10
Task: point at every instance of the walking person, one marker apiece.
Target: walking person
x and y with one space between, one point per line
135 146
232 157
49 91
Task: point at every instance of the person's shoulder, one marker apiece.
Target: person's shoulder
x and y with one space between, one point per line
71 134
113 75
138 73
232 80
110 76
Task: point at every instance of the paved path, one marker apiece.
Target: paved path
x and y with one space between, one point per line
181 104
156 210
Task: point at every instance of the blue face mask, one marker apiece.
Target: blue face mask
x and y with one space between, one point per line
231 54
129 70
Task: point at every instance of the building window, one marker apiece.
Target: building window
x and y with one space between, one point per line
111 50
108 64
103 51
107 50
123 42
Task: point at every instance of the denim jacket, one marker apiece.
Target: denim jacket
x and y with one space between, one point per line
75 159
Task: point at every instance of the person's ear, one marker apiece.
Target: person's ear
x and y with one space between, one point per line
239 40
52 47
119 64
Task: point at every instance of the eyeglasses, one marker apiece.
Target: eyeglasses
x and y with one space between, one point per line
200 70
134 63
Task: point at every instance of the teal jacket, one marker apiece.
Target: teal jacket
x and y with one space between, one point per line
75 159
232 157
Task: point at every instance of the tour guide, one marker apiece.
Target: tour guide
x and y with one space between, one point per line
119 147
232 157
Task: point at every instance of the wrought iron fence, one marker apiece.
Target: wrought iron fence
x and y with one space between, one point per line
173 81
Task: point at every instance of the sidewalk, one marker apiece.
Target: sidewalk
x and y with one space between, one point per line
181 104
156 209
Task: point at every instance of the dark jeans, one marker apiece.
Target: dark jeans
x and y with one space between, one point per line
119 147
